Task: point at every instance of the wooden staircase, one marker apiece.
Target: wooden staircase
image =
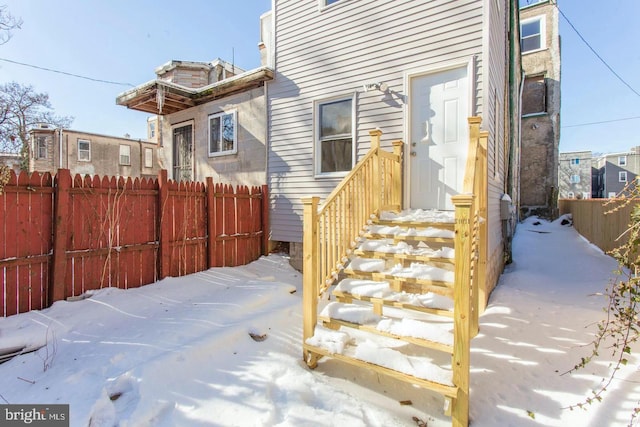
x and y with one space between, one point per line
396 291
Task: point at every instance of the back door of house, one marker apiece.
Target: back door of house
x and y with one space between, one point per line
438 137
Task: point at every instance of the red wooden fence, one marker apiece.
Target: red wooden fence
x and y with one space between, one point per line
62 237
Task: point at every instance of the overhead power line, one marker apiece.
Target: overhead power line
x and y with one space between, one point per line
596 53
604 121
66 73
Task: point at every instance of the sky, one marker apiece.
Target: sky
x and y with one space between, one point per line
124 41
223 348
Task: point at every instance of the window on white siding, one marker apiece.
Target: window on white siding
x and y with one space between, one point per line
84 150
622 176
532 34
223 134
125 155
328 2
334 136
575 179
622 160
41 147
148 157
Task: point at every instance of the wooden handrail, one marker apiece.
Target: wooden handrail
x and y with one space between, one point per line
331 231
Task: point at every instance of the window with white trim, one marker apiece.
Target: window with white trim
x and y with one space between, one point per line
125 155
612 195
575 179
223 134
328 2
334 141
148 157
532 34
622 176
84 150
622 160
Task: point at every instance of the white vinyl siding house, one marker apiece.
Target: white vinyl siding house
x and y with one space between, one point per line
333 51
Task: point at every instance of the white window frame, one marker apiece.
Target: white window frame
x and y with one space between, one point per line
622 160
126 154
85 151
317 143
218 116
148 157
328 3
622 176
575 179
542 34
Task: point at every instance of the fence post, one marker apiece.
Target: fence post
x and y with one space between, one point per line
164 254
266 230
461 362
57 287
310 273
375 145
211 219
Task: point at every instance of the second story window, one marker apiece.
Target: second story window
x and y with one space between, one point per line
532 34
622 176
222 134
41 147
125 155
534 95
575 179
622 160
575 161
84 150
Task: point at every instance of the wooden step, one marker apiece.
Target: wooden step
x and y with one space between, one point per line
406 284
404 252
387 361
418 217
436 335
415 224
381 293
403 258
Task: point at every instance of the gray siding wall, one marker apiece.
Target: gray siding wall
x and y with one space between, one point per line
331 51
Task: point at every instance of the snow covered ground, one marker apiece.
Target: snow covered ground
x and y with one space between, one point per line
222 348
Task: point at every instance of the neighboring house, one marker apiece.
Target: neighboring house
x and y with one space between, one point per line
414 69
89 153
615 171
540 47
574 175
210 120
11 160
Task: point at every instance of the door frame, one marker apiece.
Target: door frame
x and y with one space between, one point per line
470 63
193 146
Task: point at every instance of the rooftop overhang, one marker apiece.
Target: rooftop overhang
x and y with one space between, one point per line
163 97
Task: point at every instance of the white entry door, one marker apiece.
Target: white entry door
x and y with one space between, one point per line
438 137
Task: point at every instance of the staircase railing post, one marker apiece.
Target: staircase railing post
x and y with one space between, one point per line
310 278
397 175
377 190
461 362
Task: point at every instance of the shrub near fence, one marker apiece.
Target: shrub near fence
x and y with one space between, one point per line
61 237
590 221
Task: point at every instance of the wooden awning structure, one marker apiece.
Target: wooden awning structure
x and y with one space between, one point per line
164 97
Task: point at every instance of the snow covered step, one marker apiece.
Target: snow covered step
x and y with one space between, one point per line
419 216
417 278
436 335
399 233
421 371
381 293
404 252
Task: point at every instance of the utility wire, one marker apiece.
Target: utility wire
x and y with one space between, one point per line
66 73
596 53
598 123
